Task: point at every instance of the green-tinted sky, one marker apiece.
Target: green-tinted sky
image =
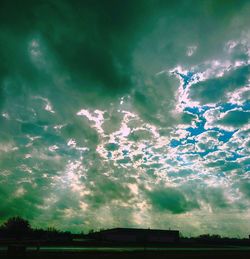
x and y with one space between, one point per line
126 113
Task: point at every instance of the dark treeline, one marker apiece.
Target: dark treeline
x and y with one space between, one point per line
20 229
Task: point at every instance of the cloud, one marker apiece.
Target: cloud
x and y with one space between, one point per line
91 40
245 188
235 118
172 200
215 197
106 191
214 90
118 113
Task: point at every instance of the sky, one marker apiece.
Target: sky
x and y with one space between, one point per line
126 114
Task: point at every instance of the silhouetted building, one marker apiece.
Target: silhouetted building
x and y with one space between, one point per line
136 235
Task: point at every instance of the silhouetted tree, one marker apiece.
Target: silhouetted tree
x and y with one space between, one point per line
91 231
209 237
16 227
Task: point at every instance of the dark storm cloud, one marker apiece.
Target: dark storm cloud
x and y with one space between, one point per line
190 198
92 40
172 200
235 118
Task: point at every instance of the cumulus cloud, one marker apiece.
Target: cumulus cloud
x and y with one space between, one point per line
236 118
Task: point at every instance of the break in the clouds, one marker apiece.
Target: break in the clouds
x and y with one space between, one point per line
126 113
